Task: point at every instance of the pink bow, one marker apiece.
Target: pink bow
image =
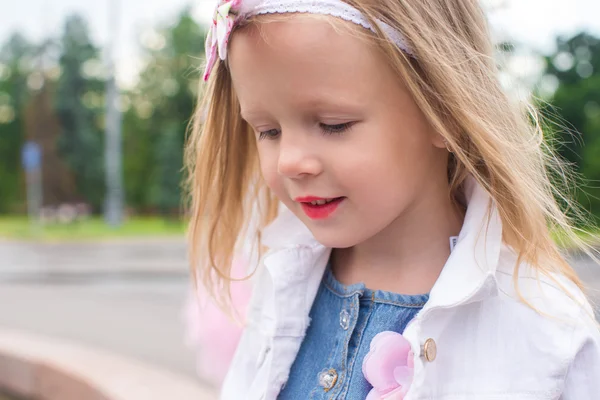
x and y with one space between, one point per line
224 20
388 366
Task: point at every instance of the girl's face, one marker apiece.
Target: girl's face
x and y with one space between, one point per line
332 121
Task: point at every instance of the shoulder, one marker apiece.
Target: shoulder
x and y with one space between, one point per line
550 307
551 294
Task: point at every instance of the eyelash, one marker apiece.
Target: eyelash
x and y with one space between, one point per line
327 130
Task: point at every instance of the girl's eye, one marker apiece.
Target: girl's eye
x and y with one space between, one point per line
327 129
337 128
270 134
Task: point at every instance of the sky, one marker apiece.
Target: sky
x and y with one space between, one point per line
533 22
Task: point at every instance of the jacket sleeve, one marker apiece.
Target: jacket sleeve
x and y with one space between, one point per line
582 381
243 369
239 382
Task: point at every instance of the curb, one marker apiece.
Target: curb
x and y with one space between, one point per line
132 239
45 368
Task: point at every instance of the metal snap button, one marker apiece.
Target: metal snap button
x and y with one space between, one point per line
430 350
328 378
344 320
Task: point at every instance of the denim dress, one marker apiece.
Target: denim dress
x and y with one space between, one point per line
344 320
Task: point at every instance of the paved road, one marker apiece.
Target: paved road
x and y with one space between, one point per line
589 273
112 259
122 296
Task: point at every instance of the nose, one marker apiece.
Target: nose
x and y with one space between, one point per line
297 158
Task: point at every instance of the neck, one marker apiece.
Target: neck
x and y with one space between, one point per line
409 254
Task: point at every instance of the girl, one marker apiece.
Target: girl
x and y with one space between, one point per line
404 205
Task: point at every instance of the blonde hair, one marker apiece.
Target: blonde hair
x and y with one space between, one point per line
453 78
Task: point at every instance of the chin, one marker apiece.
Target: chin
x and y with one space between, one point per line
335 239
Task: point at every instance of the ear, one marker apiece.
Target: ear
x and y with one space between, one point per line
438 141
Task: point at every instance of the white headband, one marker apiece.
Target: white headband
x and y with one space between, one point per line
229 13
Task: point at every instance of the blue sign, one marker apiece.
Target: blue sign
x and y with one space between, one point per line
31 156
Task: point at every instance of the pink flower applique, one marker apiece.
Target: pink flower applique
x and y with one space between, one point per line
388 366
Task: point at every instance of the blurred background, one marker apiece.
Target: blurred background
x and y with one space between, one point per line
95 98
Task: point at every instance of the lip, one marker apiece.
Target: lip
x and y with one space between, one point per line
308 199
319 211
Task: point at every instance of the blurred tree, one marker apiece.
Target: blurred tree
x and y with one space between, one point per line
166 188
41 126
16 66
79 104
161 106
572 77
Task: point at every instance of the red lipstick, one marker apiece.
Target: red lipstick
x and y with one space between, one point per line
319 211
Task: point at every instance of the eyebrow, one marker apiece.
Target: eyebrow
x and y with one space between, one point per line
328 104
246 115
328 101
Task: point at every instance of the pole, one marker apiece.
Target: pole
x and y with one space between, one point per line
34 198
113 156
31 158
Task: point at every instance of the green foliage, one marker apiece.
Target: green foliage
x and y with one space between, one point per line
576 67
156 125
79 102
16 63
166 186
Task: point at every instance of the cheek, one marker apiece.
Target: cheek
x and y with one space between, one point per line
387 166
268 160
379 157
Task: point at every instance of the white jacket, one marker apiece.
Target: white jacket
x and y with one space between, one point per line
483 343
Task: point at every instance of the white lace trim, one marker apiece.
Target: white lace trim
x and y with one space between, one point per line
335 8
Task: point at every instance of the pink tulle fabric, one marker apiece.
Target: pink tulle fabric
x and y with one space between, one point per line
210 332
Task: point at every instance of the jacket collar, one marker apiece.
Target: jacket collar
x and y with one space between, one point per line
469 273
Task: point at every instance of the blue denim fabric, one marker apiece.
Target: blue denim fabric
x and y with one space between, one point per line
328 345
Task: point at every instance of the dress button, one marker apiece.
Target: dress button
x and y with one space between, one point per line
328 378
344 320
430 350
